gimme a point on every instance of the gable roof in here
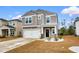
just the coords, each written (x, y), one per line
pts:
(16, 20)
(77, 19)
(39, 11)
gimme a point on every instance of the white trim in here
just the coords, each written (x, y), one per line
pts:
(31, 33)
(49, 20)
(28, 20)
(52, 31)
(39, 16)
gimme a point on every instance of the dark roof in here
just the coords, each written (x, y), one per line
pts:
(3, 19)
(9, 26)
(39, 11)
(16, 20)
(76, 19)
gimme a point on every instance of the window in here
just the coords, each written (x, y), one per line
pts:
(53, 30)
(30, 20)
(13, 24)
(48, 19)
(12, 32)
(39, 17)
(26, 20)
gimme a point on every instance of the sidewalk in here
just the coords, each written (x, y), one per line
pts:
(11, 44)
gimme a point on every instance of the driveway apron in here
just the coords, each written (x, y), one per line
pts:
(11, 44)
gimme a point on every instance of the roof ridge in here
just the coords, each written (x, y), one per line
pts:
(38, 11)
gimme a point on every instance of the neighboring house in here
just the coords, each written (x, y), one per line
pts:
(6, 29)
(17, 24)
(77, 27)
(39, 23)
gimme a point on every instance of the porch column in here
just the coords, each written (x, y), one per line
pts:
(41, 30)
(8, 32)
(0, 32)
(56, 31)
(42, 34)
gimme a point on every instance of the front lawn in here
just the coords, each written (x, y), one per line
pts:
(48, 47)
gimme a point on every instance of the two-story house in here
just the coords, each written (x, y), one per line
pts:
(77, 27)
(39, 23)
(17, 24)
(5, 28)
(10, 28)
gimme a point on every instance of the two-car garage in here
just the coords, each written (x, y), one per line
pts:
(31, 33)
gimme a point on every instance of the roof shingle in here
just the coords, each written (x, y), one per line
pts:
(16, 20)
(39, 11)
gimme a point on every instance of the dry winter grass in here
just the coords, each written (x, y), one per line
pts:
(7, 38)
(48, 47)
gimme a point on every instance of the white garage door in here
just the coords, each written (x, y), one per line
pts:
(31, 33)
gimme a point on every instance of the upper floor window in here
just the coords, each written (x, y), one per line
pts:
(29, 20)
(23, 18)
(48, 20)
(26, 20)
(39, 17)
(13, 24)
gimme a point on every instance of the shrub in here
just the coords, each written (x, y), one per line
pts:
(60, 37)
(63, 31)
(71, 30)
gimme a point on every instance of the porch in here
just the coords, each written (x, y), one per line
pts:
(6, 31)
(48, 31)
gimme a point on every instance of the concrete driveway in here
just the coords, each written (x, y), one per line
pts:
(11, 44)
(74, 49)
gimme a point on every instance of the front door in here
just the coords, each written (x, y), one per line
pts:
(47, 32)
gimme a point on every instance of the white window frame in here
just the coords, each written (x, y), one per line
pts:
(39, 16)
(54, 30)
(49, 19)
(28, 19)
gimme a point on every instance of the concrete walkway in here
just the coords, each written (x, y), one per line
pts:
(11, 44)
(74, 49)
